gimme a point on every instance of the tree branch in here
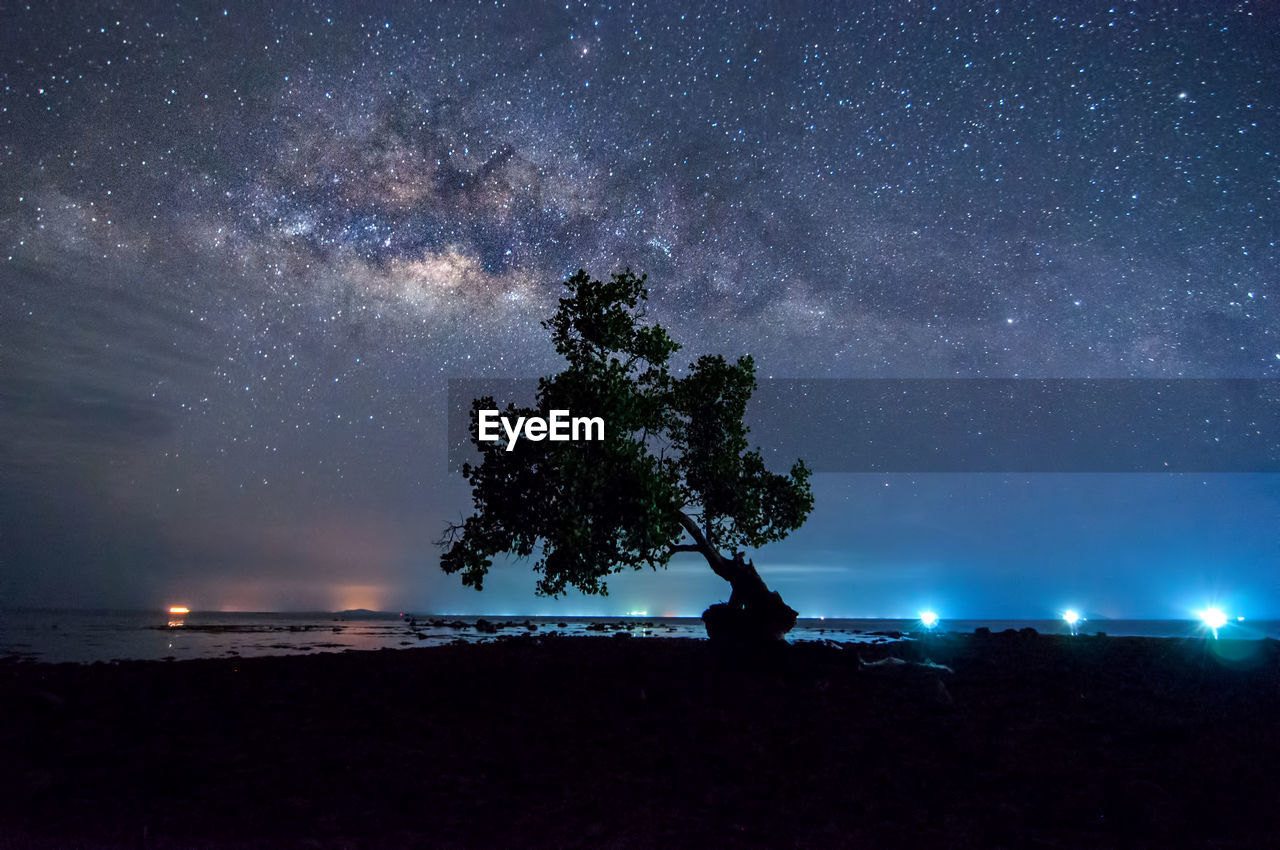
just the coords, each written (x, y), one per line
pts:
(714, 558)
(694, 532)
(453, 532)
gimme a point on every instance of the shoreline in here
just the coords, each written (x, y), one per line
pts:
(628, 742)
(109, 637)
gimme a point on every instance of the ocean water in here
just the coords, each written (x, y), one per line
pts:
(88, 636)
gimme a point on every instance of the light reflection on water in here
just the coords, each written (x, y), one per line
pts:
(83, 636)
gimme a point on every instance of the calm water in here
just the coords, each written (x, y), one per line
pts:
(86, 636)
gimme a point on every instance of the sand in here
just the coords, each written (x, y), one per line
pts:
(1028, 741)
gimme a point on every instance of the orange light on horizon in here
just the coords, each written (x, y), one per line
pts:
(179, 609)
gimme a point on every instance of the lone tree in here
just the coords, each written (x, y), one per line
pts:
(672, 474)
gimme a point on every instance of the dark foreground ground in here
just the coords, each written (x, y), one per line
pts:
(1032, 741)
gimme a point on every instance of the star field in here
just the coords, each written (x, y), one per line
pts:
(242, 249)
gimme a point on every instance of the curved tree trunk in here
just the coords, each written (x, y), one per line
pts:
(754, 613)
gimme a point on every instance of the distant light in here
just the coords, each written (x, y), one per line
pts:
(1214, 619)
(1239, 619)
(179, 609)
(1071, 617)
(929, 619)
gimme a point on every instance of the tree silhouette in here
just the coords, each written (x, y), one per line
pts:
(672, 474)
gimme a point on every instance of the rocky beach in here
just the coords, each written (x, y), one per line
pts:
(985, 740)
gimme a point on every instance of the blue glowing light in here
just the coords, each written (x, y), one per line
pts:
(1072, 618)
(1213, 618)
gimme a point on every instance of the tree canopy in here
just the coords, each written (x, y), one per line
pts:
(674, 472)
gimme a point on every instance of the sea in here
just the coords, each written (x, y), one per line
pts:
(81, 636)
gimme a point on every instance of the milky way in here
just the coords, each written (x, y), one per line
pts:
(243, 248)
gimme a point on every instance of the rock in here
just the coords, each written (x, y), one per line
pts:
(485, 627)
(742, 626)
(888, 661)
(52, 700)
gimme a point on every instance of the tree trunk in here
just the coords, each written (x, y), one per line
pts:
(754, 614)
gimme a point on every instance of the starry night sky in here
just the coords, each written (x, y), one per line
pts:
(243, 249)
